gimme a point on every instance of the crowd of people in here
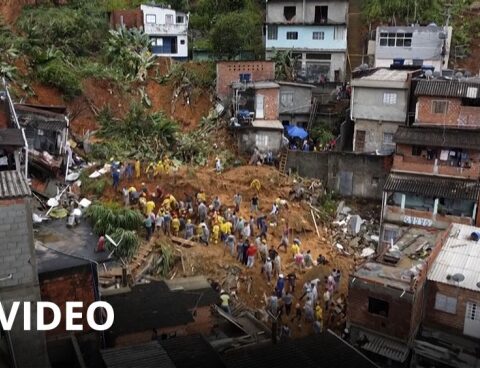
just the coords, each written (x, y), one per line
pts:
(245, 237)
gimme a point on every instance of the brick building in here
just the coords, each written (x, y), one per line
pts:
(434, 179)
(18, 273)
(450, 333)
(386, 297)
(252, 96)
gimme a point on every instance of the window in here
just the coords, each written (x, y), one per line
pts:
(151, 19)
(182, 42)
(472, 92)
(169, 19)
(395, 39)
(292, 35)
(360, 140)
(289, 12)
(387, 138)
(445, 303)
(377, 306)
(389, 234)
(180, 19)
(389, 98)
(156, 41)
(272, 32)
(417, 150)
(245, 77)
(439, 107)
(286, 99)
(261, 140)
(339, 33)
(321, 14)
(318, 35)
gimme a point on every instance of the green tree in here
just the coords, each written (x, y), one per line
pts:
(284, 65)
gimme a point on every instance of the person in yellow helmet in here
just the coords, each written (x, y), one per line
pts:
(149, 207)
(166, 165)
(294, 249)
(201, 196)
(215, 233)
(159, 168)
(137, 169)
(150, 170)
(175, 226)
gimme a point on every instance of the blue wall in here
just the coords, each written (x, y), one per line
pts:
(305, 38)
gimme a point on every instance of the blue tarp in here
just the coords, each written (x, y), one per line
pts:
(296, 132)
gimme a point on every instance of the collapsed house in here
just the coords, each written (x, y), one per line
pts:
(46, 130)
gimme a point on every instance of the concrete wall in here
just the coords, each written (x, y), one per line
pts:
(74, 284)
(448, 321)
(302, 99)
(17, 257)
(229, 72)
(332, 41)
(456, 115)
(248, 138)
(347, 173)
(374, 135)
(337, 11)
(132, 18)
(367, 103)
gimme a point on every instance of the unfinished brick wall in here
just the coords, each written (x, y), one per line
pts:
(74, 284)
(456, 115)
(229, 72)
(270, 102)
(398, 322)
(450, 322)
(130, 18)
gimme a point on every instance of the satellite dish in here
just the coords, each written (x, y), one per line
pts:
(458, 277)
(478, 284)
(428, 73)
(458, 75)
(442, 36)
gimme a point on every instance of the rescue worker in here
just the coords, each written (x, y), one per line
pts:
(159, 168)
(137, 169)
(175, 226)
(149, 171)
(215, 233)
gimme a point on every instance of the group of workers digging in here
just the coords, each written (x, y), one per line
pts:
(245, 238)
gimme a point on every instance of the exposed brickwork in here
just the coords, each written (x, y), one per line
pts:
(270, 102)
(406, 162)
(456, 115)
(448, 321)
(131, 18)
(229, 72)
(398, 322)
(71, 285)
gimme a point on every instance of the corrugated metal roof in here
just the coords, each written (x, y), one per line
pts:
(385, 347)
(11, 137)
(13, 185)
(385, 74)
(448, 88)
(459, 255)
(433, 186)
(438, 137)
(150, 355)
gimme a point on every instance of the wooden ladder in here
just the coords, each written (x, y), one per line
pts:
(313, 114)
(282, 164)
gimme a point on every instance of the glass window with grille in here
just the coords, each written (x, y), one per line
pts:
(169, 19)
(318, 35)
(389, 234)
(445, 303)
(179, 19)
(272, 32)
(151, 19)
(389, 98)
(292, 35)
(396, 39)
(387, 138)
(439, 107)
(261, 140)
(286, 99)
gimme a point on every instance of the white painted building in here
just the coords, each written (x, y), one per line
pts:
(167, 29)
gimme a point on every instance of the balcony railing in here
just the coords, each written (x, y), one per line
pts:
(423, 218)
(428, 167)
(166, 29)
